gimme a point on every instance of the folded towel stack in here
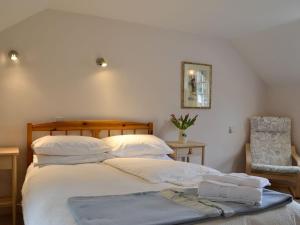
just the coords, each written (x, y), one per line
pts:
(234, 187)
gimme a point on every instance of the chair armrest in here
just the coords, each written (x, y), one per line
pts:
(248, 158)
(295, 156)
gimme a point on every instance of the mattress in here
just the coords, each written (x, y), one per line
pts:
(47, 188)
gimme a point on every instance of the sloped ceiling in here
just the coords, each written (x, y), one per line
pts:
(274, 54)
(218, 18)
(266, 32)
(221, 18)
(14, 11)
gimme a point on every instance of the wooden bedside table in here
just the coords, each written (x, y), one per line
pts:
(190, 145)
(8, 161)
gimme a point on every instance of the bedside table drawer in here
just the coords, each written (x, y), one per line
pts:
(5, 162)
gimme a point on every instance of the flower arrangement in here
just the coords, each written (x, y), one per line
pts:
(183, 123)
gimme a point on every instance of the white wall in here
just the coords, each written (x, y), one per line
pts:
(274, 54)
(284, 101)
(57, 76)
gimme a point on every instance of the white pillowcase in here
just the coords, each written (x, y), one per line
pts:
(69, 145)
(137, 145)
(69, 160)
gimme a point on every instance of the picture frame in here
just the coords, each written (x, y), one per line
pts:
(196, 85)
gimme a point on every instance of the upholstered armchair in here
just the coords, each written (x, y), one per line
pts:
(271, 155)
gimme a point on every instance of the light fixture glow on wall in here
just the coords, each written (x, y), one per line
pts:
(191, 72)
(13, 55)
(101, 62)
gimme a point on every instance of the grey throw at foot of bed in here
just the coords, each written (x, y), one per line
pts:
(169, 207)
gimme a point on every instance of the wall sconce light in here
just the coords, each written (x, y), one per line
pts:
(101, 62)
(13, 55)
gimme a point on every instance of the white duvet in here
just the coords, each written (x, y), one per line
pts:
(46, 190)
(160, 171)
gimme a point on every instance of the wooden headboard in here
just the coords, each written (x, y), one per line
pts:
(86, 128)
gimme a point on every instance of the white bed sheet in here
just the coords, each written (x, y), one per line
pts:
(47, 188)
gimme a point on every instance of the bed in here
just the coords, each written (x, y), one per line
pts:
(47, 188)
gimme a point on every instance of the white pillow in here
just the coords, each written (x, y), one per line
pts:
(136, 145)
(69, 145)
(69, 160)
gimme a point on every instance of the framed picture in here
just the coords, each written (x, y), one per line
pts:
(196, 85)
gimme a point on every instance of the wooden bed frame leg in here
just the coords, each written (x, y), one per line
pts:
(297, 188)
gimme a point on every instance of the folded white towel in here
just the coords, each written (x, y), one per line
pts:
(240, 179)
(218, 191)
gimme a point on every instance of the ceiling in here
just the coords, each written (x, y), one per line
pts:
(266, 32)
(14, 11)
(274, 54)
(222, 18)
(219, 18)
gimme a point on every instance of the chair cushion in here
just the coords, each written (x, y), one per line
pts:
(271, 141)
(276, 169)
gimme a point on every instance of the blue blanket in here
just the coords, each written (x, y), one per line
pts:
(168, 207)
